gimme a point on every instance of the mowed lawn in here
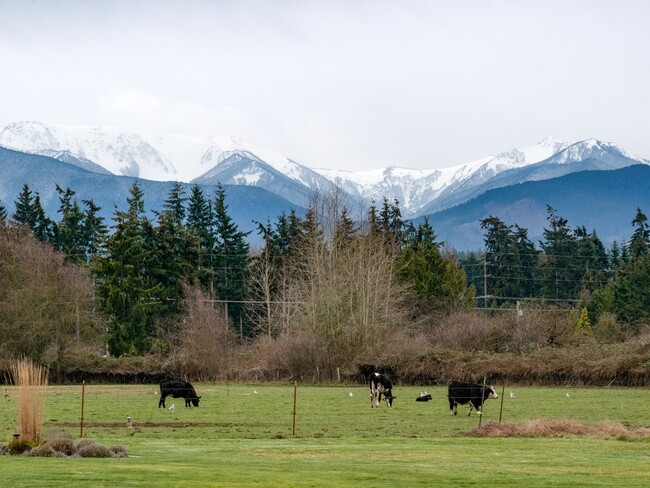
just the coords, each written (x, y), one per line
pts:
(241, 435)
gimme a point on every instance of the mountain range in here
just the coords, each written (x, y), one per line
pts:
(110, 154)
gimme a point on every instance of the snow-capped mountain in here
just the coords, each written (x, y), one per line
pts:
(118, 151)
(415, 189)
(229, 161)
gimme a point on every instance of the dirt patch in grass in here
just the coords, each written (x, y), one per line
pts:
(112, 425)
(557, 428)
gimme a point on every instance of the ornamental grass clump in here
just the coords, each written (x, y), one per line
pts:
(31, 380)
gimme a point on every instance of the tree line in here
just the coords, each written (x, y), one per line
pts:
(338, 284)
(568, 266)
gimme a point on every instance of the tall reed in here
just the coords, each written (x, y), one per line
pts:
(31, 380)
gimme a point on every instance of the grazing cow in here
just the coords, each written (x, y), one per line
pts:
(472, 393)
(178, 389)
(380, 384)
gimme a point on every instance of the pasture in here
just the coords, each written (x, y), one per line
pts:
(241, 435)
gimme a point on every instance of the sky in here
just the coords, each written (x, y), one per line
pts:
(350, 85)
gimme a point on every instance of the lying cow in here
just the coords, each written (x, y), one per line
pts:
(178, 389)
(380, 385)
(473, 393)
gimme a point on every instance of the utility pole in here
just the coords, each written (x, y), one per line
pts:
(485, 280)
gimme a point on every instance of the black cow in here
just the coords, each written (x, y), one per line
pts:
(380, 384)
(178, 389)
(472, 393)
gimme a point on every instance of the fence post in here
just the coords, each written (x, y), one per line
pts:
(81, 419)
(295, 388)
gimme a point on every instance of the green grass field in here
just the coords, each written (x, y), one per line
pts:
(241, 435)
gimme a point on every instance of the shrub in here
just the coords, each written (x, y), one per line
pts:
(118, 451)
(62, 444)
(93, 451)
(44, 450)
(19, 446)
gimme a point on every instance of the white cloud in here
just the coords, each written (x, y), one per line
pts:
(151, 114)
(362, 84)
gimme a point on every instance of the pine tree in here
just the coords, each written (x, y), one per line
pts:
(44, 229)
(231, 261)
(640, 241)
(561, 275)
(23, 214)
(127, 294)
(436, 281)
(501, 259)
(71, 236)
(632, 292)
(94, 230)
(199, 225)
(344, 230)
(527, 262)
(591, 259)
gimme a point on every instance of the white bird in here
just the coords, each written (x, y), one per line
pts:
(567, 395)
(172, 407)
(255, 391)
(512, 394)
(155, 392)
(350, 394)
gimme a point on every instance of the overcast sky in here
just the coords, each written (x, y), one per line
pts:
(337, 84)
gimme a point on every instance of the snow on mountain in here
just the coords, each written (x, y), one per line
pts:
(121, 152)
(414, 189)
(593, 148)
(229, 161)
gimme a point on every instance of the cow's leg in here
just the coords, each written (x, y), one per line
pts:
(161, 402)
(471, 406)
(451, 407)
(478, 409)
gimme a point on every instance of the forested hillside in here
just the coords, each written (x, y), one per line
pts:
(325, 296)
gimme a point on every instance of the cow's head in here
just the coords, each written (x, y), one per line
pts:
(389, 398)
(195, 401)
(492, 393)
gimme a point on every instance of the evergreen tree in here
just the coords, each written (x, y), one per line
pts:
(591, 259)
(174, 204)
(344, 230)
(614, 256)
(472, 263)
(501, 260)
(632, 292)
(43, 228)
(232, 261)
(3, 214)
(640, 241)
(374, 228)
(561, 273)
(71, 235)
(436, 282)
(527, 262)
(199, 225)
(126, 291)
(23, 214)
(94, 230)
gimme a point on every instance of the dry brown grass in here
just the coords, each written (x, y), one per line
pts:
(31, 380)
(557, 428)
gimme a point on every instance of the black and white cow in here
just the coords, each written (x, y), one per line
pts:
(178, 389)
(380, 385)
(473, 393)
